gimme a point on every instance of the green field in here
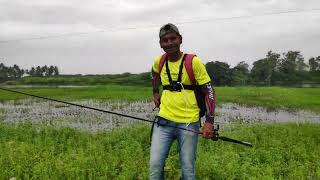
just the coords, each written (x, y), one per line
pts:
(142, 79)
(272, 97)
(104, 93)
(269, 97)
(281, 151)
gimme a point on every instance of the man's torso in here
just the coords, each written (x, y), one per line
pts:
(181, 106)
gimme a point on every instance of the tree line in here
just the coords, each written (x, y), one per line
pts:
(274, 69)
(290, 68)
(8, 73)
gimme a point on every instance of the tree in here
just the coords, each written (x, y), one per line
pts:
(288, 63)
(292, 68)
(219, 72)
(239, 73)
(314, 64)
(3, 72)
(41, 71)
(55, 71)
(38, 72)
(17, 72)
(51, 71)
(32, 71)
(10, 73)
(45, 70)
(265, 70)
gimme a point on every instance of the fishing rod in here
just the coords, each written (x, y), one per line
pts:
(217, 136)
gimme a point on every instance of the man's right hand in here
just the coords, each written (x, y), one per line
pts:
(156, 99)
(208, 130)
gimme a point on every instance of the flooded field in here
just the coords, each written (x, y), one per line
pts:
(59, 114)
(230, 112)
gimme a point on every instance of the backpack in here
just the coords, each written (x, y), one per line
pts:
(187, 61)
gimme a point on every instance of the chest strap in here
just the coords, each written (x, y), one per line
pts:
(178, 87)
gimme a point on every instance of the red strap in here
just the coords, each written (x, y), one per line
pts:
(188, 65)
(189, 69)
(162, 61)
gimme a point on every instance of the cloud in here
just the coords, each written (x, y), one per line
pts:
(117, 36)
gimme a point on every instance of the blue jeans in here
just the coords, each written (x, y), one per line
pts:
(162, 138)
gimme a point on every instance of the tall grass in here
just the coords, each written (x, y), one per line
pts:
(281, 151)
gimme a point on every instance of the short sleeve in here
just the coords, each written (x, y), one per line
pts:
(155, 66)
(199, 71)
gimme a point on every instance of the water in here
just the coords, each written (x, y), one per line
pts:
(58, 114)
(232, 112)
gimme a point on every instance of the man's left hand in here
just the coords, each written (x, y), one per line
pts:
(208, 130)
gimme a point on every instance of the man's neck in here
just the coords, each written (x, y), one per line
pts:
(175, 56)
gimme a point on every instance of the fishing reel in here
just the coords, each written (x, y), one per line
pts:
(223, 138)
(215, 133)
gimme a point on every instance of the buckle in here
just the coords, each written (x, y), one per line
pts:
(176, 86)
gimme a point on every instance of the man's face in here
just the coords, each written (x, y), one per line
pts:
(170, 42)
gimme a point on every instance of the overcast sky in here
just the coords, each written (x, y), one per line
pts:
(116, 36)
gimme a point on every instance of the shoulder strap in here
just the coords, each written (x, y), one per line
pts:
(162, 61)
(188, 65)
(180, 68)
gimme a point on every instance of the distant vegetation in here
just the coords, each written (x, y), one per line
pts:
(9, 73)
(142, 79)
(290, 69)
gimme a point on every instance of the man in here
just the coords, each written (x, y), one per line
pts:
(178, 105)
